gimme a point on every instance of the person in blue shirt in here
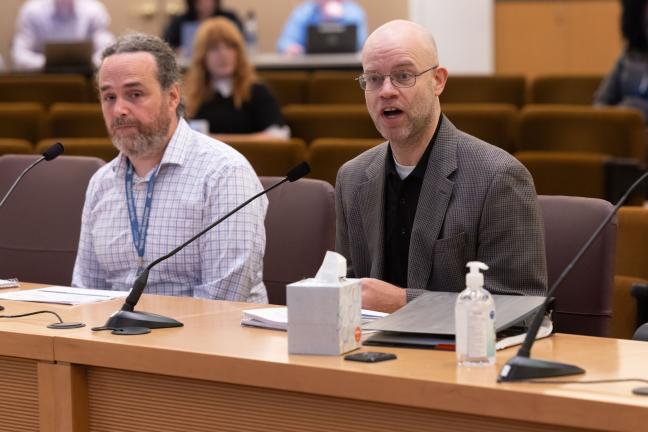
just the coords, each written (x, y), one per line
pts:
(293, 37)
(627, 84)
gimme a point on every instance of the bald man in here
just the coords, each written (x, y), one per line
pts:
(414, 210)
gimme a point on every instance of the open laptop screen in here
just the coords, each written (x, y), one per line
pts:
(68, 56)
(331, 38)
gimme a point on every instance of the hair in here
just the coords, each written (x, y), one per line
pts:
(633, 25)
(168, 72)
(197, 83)
(191, 12)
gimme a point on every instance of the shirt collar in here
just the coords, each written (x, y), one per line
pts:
(419, 170)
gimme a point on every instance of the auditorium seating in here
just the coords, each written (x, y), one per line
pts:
(15, 146)
(631, 267)
(309, 122)
(101, 148)
(494, 123)
(564, 89)
(583, 300)
(300, 228)
(336, 87)
(290, 87)
(76, 120)
(564, 173)
(22, 120)
(508, 89)
(271, 157)
(43, 217)
(42, 88)
(613, 131)
(327, 155)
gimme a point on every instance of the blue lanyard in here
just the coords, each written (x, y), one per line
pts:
(138, 230)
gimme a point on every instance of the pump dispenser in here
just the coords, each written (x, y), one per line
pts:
(475, 320)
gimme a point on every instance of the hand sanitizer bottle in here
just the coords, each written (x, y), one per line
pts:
(475, 320)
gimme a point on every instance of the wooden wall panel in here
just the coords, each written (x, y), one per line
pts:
(556, 37)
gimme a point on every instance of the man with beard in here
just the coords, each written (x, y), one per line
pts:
(167, 184)
(413, 211)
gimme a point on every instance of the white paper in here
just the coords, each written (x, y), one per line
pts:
(277, 317)
(63, 295)
(545, 330)
(9, 283)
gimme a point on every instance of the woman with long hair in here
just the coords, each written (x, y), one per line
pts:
(222, 87)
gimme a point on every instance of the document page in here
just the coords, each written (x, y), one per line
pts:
(63, 295)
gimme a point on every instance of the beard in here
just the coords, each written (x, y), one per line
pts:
(148, 141)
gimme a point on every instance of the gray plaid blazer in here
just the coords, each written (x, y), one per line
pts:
(477, 202)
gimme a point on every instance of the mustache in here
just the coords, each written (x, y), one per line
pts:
(120, 121)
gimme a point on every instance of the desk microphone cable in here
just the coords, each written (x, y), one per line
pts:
(58, 325)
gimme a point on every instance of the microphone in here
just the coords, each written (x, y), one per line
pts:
(127, 317)
(522, 367)
(51, 153)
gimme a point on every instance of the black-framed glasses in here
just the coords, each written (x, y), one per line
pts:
(372, 81)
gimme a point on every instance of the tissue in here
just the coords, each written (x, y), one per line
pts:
(324, 313)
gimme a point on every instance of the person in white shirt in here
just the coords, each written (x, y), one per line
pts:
(166, 185)
(42, 21)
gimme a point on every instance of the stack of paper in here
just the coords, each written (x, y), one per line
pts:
(277, 317)
(63, 295)
(9, 283)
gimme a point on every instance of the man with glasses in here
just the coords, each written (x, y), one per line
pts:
(413, 211)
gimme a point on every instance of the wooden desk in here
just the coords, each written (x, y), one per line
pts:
(214, 374)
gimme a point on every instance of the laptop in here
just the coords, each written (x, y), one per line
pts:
(68, 56)
(330, 38)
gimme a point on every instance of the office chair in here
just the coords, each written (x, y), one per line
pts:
(583, 301)
(300, 228)
(41, 221)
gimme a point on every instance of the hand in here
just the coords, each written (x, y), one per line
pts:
(293, 50)
(382, 296)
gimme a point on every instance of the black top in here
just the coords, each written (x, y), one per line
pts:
(173, 31)
(401, 199)
(255, 115)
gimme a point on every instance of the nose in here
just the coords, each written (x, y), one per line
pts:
(120, 108)
(387, 89)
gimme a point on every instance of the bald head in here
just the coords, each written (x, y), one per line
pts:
(407, 35)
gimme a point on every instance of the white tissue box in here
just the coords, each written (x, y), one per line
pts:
(324, 317)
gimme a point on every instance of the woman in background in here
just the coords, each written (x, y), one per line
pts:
(222, 87)
(196, 12)
(627, 83)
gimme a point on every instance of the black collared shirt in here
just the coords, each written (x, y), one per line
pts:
(401, 200)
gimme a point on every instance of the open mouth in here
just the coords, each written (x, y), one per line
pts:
(391, 113)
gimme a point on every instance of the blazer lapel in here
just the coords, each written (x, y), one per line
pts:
(434, 198)
(371, 199)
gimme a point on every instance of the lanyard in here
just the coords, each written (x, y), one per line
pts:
(138, 230)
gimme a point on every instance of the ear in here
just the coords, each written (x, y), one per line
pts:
(174, 96)
(440, 78)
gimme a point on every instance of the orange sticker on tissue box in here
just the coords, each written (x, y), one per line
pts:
(358, 334)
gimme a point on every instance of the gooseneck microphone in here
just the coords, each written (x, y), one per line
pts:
(127, 317)
(52, 152)
(522, 367)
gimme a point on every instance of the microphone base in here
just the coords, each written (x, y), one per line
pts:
(525, 368)
(124, 318)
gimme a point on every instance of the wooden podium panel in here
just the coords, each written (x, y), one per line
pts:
(236, 377)
(19, 409)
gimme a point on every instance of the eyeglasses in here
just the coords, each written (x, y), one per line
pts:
(401, 78)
